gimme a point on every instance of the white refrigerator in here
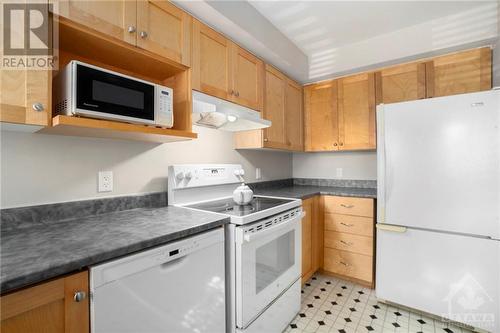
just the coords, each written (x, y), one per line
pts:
(438, 207)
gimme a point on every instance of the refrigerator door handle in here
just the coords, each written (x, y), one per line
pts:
(381, 172)
(391, 228)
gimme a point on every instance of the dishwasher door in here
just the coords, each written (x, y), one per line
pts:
(178, 287)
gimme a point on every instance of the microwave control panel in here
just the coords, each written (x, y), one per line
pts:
(164, 106)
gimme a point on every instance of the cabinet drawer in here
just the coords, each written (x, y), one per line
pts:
(349, 264)
(349, 206)
(357, 225)
(349, 242)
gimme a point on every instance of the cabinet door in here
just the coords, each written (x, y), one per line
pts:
(357, 112)
(294, 129)
(307, 240)
(459, 73)
(274, 108)
(25, 96)
(113, 18)
(211, 70)
(48, 307)
(321, 129)
(164, 29)
(400, 83)
(247, 78)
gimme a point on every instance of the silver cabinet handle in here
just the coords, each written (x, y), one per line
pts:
(143, 34)
(38, 106)
(347, 206)
(131, 29)
(345, 264)
(79, 296)
(346, 224)
(266, 139)
(346, 243)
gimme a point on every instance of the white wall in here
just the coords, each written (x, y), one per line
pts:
(355, 165)
(496, 55)
(38, 169)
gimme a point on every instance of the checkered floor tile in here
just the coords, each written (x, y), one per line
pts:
(337, 306)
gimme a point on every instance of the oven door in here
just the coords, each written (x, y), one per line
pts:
(104, 94)
(267, 263)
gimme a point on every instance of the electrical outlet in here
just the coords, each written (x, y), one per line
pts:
(258, 174)
(105, 181)
(339, 172)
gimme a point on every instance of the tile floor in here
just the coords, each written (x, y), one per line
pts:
(337, 306)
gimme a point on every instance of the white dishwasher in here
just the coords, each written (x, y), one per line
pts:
(178, 287)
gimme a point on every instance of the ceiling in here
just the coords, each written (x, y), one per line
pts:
(315, 40)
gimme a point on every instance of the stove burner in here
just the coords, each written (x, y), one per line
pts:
(228, 206)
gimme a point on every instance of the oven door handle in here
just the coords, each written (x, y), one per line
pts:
(250, 237)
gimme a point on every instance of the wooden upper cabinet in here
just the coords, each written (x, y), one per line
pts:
(25, 96)
(154, 25)
(223, 69)
(356, 103)
(211, 66)
(48, 307)
(459, 73)
(321, 130)
(283, 107)
(248, 78)
(294, 124)
(274, 108)
(164, 29)
(113, 18)
(400, 83)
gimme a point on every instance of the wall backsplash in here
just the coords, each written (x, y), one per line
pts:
(39, 169)
(355, 165)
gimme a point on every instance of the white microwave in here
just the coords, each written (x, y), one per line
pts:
(90, 91)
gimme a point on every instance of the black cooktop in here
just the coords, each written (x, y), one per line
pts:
(228, 206)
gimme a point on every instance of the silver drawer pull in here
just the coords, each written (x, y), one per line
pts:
(346, 243)
(345, 264)
(347, 206)
(346, 224)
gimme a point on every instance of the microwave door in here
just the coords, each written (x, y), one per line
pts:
(102, 94)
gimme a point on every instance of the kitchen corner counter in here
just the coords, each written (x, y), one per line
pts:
(307, 191)
(34, 252)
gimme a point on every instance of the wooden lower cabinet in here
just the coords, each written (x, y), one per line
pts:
(48, 307)
(349, 244)
(349, 265)
(312, 236)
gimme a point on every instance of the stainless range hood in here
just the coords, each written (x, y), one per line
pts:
(217, 113)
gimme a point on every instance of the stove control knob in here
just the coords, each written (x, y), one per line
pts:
(179, 176)
(188, 175)
(242, 172)
(237, 172)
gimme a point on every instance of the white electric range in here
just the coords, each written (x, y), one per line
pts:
(263, 245)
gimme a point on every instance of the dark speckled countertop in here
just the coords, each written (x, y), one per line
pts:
(33, 252)
(307, 191)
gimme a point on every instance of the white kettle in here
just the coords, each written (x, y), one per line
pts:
(243, 194)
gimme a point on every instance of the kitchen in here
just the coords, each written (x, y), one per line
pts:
(331, 135)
